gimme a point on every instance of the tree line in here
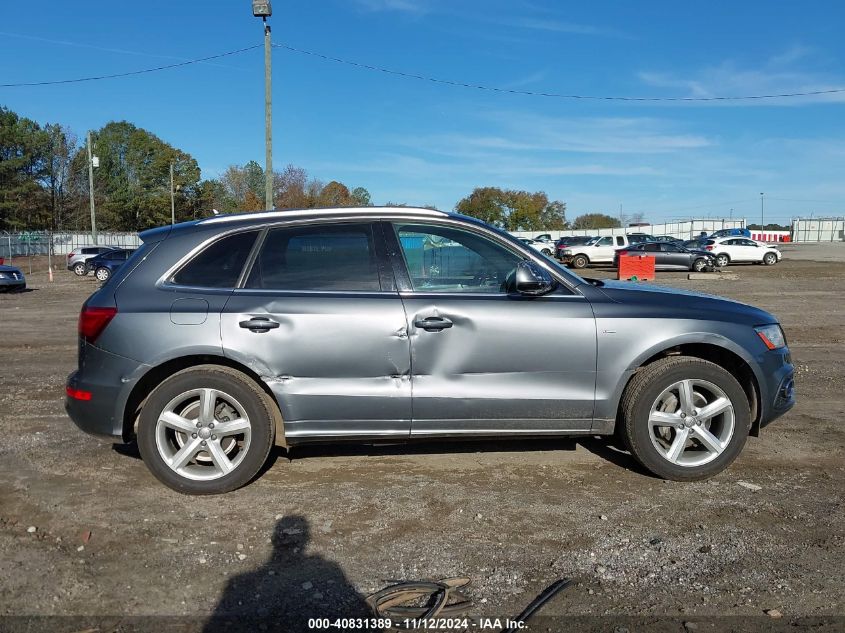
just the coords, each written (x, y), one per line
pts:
(44, 180)
(44, 185)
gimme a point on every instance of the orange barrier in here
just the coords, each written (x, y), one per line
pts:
(637, 267)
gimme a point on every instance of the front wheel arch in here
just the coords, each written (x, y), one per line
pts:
(717, 354)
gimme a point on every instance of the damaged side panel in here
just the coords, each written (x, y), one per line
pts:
(339, 364)
(505, 365)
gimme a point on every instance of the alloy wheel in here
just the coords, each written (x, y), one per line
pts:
(203, 434)
(691, 422)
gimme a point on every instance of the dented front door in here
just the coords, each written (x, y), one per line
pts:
(483, 360)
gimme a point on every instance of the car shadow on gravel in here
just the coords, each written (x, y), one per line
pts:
(291, 588)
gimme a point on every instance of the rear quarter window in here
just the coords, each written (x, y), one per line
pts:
(219, 264)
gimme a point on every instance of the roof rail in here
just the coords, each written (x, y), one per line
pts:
(295, 213)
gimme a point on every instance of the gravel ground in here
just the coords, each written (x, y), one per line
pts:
(86, 531)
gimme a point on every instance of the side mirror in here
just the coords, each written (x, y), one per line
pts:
(532, 280)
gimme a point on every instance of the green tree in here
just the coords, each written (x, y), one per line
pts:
(596, 221)
(361, 197)
(514, 210)
(24, 159)
(132, 183)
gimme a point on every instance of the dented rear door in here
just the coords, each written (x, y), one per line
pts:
(325, 328)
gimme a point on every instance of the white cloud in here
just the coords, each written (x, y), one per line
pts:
(778, 75)
(559, 26)
(402, 6)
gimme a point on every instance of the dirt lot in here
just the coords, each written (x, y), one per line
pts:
(85, 530)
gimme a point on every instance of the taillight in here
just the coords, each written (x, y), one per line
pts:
(78, 394)
(69, 255)
(709, 248)
(92, 321)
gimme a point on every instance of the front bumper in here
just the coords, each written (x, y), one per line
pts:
(12, 284)
(778, 392)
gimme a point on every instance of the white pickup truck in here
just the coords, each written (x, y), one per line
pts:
(599, 250)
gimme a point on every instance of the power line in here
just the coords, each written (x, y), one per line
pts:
(556, 95)
(448, 82)
(132, 72)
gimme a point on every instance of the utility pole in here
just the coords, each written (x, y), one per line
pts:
(262, 9)
(761, 212)
(172, 198)
(91, 189)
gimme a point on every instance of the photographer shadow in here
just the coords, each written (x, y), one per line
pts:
(288, 590)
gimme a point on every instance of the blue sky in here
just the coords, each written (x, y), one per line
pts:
(423, 143)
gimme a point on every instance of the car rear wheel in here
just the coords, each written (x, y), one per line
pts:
(580, 261)
(547, 252)
(770, 259)
(102, 273)
(79, 269)
(722, 260)
(685, 418)
(206, 430)
(699, 265)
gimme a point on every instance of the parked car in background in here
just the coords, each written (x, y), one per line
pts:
(639, 238)
(223, 336)
(544, 237)
(104, 265)
(599, 250)
(11, 278)
(543, 247)
(78, 256)
(572, 240)
(667, 238)
(670, 256)
(695, 244)
(730, 233)
(740, 249)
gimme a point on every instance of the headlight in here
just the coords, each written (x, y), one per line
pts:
(771, 335)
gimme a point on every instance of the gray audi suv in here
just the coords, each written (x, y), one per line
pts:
(224, 336)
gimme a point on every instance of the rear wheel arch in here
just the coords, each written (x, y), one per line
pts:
(155, 376)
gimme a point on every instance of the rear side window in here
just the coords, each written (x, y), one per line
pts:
(329, 258)
(218, 265)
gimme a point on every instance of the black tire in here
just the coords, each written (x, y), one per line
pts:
(770, 259)
(102, 274)
(647, 385)
(547, 252)
(79, 269)
(722, 260)
(241, 387)
(699, 264)
(580, 261)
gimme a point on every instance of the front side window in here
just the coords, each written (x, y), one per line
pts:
(218, 265)
(651, 247)
(330, 258)
(605, 241)
(445, 259)
(620, 241)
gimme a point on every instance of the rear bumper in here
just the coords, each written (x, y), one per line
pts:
(109, 379)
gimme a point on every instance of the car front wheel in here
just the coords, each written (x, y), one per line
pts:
(79, 269)
(699, 265)
(685, 418)
(206, 430)
(547, 252)
(580, 261)
(770, 259)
